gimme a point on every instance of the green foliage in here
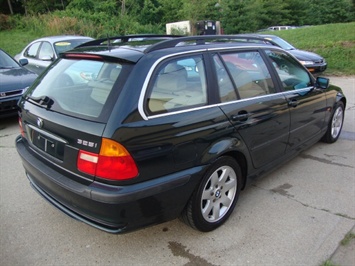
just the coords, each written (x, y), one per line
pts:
(82, 5)
(171, 11)
(52, 24)
(252, 15)
(151, 12)
(233, 13)
(348, 238)
(34, 7)
(22, 38)
(237, 16)
(5, 23)
(328, 263)
(330, 11)
(80, 22)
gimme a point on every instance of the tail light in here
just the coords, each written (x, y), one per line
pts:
(113, 162)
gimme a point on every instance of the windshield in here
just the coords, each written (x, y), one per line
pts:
(63, 46)
(79, 88)
(282, 43)
(6, 61)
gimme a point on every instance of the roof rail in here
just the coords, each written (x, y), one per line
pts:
(170, 41)
(254, 37)
(201, 39)
(124, 39)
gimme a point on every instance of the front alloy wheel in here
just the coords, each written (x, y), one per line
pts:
(214, 200)
(335, 124)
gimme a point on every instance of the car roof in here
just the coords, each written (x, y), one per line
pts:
(57, 38)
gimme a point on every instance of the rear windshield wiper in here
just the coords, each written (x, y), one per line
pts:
(42, 100)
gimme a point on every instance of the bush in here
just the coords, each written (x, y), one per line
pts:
(79, 22)
(8, 22)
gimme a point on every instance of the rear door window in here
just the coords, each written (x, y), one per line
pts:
(242, 75)
(46, 52)
(80, 88)
(178, 84)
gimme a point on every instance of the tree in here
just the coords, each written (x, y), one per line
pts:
(42, 7)
(171, 11)
(298, 12)
(241, 16)
(146, 12)
(329, 11)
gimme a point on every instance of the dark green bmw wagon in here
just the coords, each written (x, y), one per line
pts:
(130, 131)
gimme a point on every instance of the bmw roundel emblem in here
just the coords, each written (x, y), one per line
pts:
(39, 122)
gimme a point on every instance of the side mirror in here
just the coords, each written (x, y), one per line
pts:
(23, 62)
(322, 83)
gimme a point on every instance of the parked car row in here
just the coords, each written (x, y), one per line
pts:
(168, 127)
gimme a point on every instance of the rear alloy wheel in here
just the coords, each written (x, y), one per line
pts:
(214, 200)
(335, 124)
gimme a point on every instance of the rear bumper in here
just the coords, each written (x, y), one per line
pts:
(113, 209)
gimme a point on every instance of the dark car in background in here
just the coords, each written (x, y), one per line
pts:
(42, 52)
(312, 61)
(14, 80)
(168, 128)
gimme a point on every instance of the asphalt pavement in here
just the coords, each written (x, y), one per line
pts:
(296, 215)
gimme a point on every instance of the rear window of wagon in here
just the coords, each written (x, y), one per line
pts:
(80, 88)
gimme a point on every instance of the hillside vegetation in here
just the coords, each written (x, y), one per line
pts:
(335, 42)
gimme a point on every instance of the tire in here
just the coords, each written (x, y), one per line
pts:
(335, 124)
(214, 200)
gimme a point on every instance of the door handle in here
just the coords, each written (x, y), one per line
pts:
(241, 116)
(293, 103)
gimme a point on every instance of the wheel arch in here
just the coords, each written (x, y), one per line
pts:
(343, 100)
(233, 147)
(340, 97)
(242, 161)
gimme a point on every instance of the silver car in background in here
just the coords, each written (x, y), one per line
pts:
(42, 52)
